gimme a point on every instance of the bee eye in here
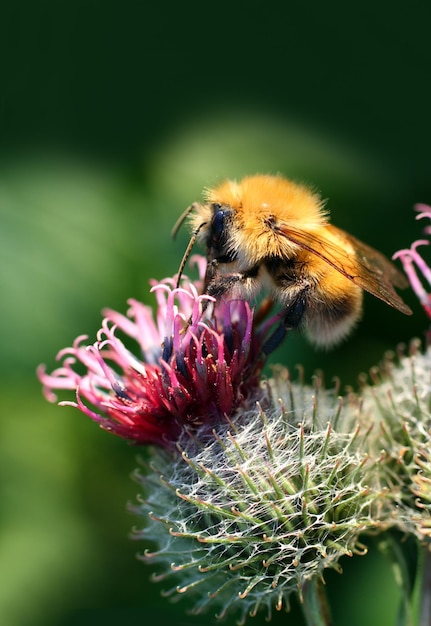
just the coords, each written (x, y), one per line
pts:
(218, 225)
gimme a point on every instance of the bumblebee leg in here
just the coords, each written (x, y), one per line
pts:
(290, 320)
(217, 284)
(222, 284)
(294, 313)
(264, 308)
(275, 339)
(210, 274)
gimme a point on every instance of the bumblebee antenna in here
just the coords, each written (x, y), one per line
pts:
(182, 217)
(187, 252)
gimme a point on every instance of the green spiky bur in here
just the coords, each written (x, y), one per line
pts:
(247, 515)
(399, 403)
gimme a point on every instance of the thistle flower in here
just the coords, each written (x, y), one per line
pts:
(399, 404)
(191, 366)
(399, 401)
(255, 513)
(410, 258)
(254, 489)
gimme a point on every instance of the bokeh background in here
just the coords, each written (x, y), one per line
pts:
(113, 117)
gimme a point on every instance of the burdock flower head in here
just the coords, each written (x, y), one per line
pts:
(255, 487)
(400, 400)
(259, 512)
(188, 368)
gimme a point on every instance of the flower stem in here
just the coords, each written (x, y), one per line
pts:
(315, 604)
(425, 598)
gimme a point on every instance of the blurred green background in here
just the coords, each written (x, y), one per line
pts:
(113, 117)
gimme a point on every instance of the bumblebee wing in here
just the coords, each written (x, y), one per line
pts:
(360, 263)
